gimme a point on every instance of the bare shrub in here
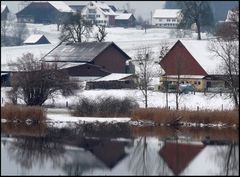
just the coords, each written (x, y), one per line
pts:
(104, 107)
(22, 113)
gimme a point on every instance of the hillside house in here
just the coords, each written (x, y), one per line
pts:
(99, 13)
(125, 20)
(89, 58)
(114, 81)
(36, 39)
(4, 12)
(194, 64)
(166, 18)
(44, 12)
(77, 8)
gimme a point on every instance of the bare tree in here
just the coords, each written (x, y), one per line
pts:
(101, 33)
(20, 32)
(35, 81)
(229, 30)
(76, 29)
(145, 72)
(228, 52)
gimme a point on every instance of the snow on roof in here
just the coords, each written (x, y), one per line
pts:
(61, 6)
(3, 6)
(123, 16)
(64, 65)
(33, 38)
(114, 77)
(11, 54)
(231, 15)
(166, 13)
(104, 8)
(199, 50)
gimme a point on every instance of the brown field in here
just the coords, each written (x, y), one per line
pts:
(167, 116)
(22, 113)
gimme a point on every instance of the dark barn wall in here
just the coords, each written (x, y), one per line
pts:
(188, 65)
(43, 40)
(112, 60)
(86, 70)
(131, 22)
(40, 13)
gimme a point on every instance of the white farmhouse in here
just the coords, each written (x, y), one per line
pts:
(100, 13)
(166, 18)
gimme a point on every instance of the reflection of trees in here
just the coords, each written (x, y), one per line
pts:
(144, 159)
(228, 159)
(30, 150)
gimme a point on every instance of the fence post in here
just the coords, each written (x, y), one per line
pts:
(197, 108)
(67, 104)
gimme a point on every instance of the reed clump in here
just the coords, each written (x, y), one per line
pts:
(166, 116)
(12, 112)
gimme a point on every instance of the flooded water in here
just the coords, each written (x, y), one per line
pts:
(117, 149)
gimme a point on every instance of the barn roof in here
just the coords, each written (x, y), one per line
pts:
(3, 7)
(104, 8)
(114, 77)
(123, 16)
(80, 52)
(61, 6)
(199, 49)
(166, 13)
(34, 38)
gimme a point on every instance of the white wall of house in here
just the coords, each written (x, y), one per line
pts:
(166, 18)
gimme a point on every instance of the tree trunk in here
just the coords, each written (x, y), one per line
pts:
(198, 30)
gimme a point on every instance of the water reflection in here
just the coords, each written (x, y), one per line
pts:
(117, 149)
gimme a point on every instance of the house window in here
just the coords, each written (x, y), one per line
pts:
(91, 10)
(195, 82)
(199, 82)
(173, 20)
(97, 16)
(160, 20)
(168, 20)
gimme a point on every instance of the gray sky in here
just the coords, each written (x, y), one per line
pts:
(142, 8)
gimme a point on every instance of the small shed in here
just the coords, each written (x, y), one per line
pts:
(125, 20)
(36, 39)
(114, 81)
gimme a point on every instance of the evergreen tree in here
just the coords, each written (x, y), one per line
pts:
(198, 12)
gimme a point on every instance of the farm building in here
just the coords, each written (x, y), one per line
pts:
(114, 81)
(194, 64)
(4, 12)
(89, 58)
(125, 20)
(166, 18)
(44, 12)
(100, 13)
(36, 39)
(179, 156)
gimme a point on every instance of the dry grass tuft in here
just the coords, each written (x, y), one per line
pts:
(162, 115)
(22, 113)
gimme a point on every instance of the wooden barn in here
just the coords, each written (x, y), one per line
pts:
(114, 81)
(125, 20)
(89, 58)
(4, 12)
(36, 39)
(193, 63)
(44, 12)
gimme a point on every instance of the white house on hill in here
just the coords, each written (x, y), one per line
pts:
(166, 18)
(99, 12)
